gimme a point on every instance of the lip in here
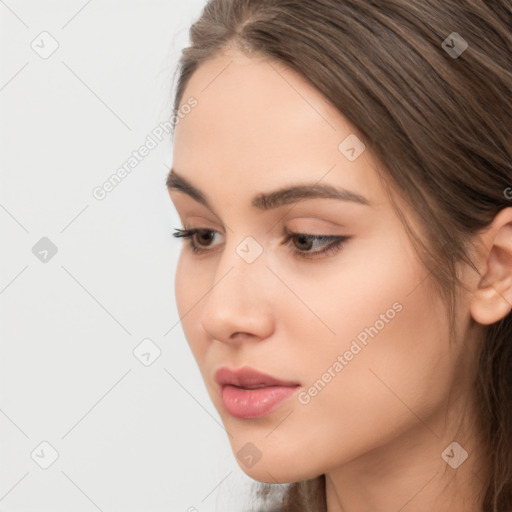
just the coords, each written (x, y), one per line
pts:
(248, 393)
(247, 377)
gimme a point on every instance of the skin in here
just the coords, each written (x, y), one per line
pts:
(379, 427)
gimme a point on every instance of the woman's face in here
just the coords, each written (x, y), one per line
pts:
(359, 328)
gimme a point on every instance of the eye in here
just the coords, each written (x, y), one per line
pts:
(331, 244)
(202, 233)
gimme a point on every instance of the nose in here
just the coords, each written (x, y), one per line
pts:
(238, 306)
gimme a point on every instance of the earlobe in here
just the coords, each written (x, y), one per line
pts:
(492, 300)
(489, 305)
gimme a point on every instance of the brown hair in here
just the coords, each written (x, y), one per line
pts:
(440, 125)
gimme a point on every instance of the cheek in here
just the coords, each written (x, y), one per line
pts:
(393, 383)
(391, 332)
(364, 294)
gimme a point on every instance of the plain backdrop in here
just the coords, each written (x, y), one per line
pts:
(119, 427)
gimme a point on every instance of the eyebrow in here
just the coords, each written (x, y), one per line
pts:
(275, 199)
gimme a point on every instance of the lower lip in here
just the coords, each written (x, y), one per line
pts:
(254, 403)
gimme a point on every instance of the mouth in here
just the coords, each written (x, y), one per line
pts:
(248, 393)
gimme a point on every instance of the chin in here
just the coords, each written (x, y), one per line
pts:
(264, 462)
(274, 472)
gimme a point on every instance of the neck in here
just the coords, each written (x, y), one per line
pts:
(410, 474)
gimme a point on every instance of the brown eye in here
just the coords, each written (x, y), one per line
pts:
(204, 235)
(304, 242)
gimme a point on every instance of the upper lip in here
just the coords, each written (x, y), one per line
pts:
(247, 377)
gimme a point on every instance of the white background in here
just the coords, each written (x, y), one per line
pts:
(129, 437)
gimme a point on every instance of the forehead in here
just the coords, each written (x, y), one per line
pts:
(258, 124)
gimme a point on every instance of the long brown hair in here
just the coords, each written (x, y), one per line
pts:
(440, 125)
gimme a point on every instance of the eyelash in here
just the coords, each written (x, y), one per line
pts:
(336, 244)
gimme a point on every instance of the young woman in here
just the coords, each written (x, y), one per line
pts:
(343, 173)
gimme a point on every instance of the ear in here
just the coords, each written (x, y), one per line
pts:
(492, 300)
